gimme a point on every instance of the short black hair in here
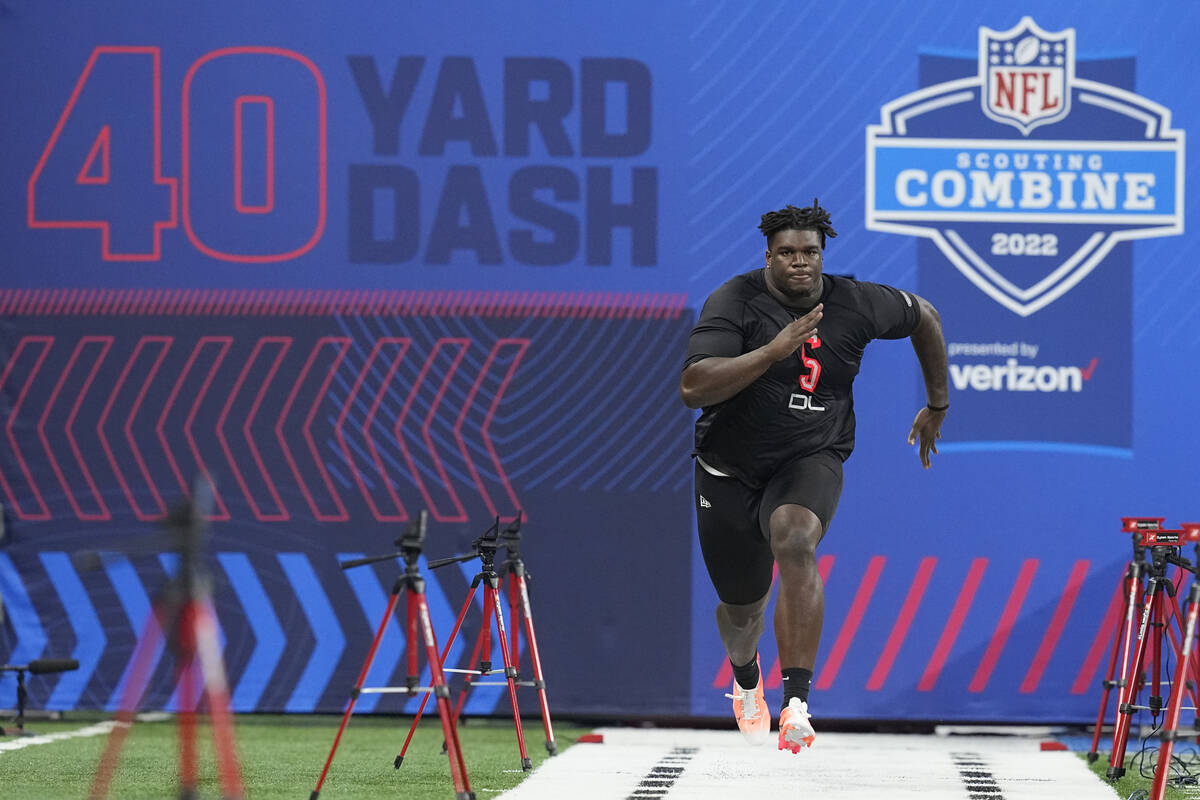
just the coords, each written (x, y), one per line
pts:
(789, 217)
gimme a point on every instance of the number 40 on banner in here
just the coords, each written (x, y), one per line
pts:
(252, 156)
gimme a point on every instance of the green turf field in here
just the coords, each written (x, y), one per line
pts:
(1133, 783)
(281, 757)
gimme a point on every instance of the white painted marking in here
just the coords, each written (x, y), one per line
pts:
(846, 766)
(99, 729)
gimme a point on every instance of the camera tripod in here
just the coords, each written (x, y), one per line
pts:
(1160, 607)
(1132, 592)
(184, 616)
(519, 608)
(416, 622)
(1188, 663)
(485, 548)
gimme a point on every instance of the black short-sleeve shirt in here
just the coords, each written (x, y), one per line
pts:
(802, 404)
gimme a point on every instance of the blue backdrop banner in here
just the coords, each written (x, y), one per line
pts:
(358, 262)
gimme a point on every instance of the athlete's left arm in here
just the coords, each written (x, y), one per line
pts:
(930, 347)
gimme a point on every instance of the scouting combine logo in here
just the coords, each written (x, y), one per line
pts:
(1029, 196)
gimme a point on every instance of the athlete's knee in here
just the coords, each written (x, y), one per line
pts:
(742, 615)
(795, 533)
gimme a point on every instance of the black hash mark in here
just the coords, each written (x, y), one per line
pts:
(662, 776)
(976, 777)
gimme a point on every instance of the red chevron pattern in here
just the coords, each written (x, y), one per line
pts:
(443, 483)
(519, 345)
(282, 344)
(133, 451)
(400, 345)
(72, 485)
(230, 405)
(322, 513)
(30, 486)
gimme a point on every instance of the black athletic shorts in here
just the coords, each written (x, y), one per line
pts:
(733, 520)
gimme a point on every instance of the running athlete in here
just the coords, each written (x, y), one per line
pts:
(771, 362)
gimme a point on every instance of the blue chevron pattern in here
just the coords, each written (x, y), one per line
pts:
(89, 635)
(269, 637)
(330, 641)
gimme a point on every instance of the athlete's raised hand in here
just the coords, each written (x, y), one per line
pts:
(715, 379)
(795, 333)
(928, 428)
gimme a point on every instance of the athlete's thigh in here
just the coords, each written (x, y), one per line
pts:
(736, 554)
(814, 481)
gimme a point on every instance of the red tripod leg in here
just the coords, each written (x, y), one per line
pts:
(1174, 705)
(514, 614)
(1192, 683)
(362, 676)
(1158, 626)
(458, 767)
(216, 687)
(1136, 604)
(410, 641)
(1132, 680)
(485, 630)
(510, 671)
(445, 654)
(481, 655)
(476, 654)
(1109, 683)
(185, 670)
(1172, 611)
(518, 583)
(142, 655)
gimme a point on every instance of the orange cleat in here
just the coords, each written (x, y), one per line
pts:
(750, 711)
(795, 730)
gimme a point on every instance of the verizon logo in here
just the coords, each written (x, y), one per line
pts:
(1012, 376)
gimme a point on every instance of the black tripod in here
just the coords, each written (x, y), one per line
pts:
(41, 666)
(416, 621)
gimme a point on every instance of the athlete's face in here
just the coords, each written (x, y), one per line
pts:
(794, 265)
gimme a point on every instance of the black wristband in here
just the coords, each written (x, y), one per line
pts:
(937, 408)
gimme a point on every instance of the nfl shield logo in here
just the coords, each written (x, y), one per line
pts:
(1027, 74)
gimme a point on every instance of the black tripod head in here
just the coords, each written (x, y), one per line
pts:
(183, 533)
(187, 526)
(510, 537)
(411, 543)
(484, 548)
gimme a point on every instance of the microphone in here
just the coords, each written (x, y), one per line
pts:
(43, 666)
(46, 665)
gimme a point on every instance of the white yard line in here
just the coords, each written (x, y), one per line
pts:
(671, 763)
(16, 743)
(98, 729)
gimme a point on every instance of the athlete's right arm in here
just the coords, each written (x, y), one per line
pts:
(715, 379)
